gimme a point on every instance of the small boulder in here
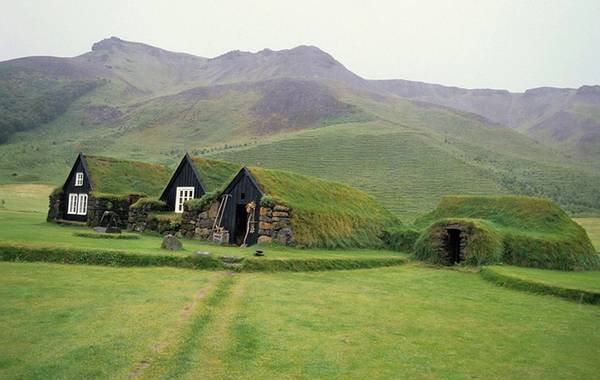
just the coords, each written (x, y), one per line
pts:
(171, 243)
(203, 253)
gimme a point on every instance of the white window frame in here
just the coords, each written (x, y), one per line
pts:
(72, 206)
(182, 194)
(82, 204)
(79, 179)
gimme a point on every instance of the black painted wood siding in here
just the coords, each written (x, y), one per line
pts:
(242, 192)
(70, 188)
(184, 176)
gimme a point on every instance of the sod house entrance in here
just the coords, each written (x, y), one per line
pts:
(452, 246)
(241, 221)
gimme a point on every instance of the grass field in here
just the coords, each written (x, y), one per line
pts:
(411, 321)
(407, 322)
(88, 322)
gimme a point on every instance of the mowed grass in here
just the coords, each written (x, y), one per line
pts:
(82, 322)
(592, 226)
(406, 322)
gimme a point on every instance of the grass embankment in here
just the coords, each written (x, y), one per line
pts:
(525, 231)
(88, 322)
(409, 322)
(325, 214)
(576, 286)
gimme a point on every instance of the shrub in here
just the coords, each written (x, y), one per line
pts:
(400, 238)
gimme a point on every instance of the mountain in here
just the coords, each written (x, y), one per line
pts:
(407, 143)
(566, 118)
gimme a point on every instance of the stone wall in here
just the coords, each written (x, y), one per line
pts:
(54, 213)
(275, 225)
(198, 224)
(97, 206)
(138, 216)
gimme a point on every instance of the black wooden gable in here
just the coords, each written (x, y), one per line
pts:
(243, 175)
(80, 166)
(185, 175)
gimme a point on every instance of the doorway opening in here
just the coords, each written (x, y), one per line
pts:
(452, 246)
(241, 224)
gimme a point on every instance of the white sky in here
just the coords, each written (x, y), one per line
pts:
(492, 44)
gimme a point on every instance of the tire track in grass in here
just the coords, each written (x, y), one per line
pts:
(168, 345)
(213, 359)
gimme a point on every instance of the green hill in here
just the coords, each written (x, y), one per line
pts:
(296, 109)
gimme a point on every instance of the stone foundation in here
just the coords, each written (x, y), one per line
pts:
(274, 224)
(138, 220)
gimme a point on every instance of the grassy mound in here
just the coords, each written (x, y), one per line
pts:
(581, 287)
(325, 214)
(95, 235)
(482, 245)
(114, 176)
(533, 232)
(214, 174)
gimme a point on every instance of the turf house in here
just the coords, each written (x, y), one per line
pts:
(264, 206)
(194, 177)
(97, 184)
(516, 230)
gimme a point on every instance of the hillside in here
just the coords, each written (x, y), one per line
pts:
(297, 109)
(566, 118)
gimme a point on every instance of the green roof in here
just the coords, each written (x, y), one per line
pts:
(532, 231)
(121, 177)
(325, 213)
(214, 174)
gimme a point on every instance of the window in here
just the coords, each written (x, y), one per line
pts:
(77, 204)
(82, 204)
(79, 179)
(182, 194)
(72, 207)
(242, 196)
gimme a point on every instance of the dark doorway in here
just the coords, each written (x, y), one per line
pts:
(453, 246)
(241, 221)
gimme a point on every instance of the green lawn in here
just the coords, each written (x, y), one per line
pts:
(83, 322)
(592, 226)
(405, 322)
(588, 280)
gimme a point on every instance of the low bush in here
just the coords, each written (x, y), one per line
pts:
(400, 238)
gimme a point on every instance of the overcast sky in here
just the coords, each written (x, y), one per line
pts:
(477, 44)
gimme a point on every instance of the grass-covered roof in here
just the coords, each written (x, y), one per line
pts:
(533, 231)
(121, 177)
(214, 174)
(325, 214)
